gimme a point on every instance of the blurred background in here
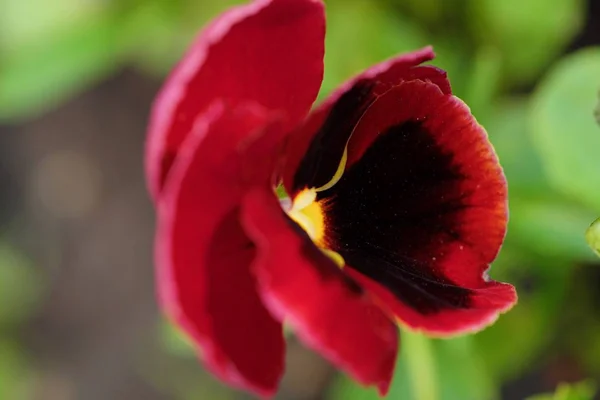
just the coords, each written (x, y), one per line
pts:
(78, 318)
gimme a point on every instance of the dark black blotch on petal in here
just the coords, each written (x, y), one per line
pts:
(324, 154)
(391, 209)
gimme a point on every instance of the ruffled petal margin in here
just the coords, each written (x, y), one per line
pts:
(486, 303)
(268, 51)
(203, 255)
(422, 171)
(339, 113)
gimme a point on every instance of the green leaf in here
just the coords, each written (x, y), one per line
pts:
(426, 370)
(541, 220)
(428, 11)
(484, 79)
(453, 57)
(592, 236)
(528, 327)
(508, 131)
(563, 128)
(597, 110)
(580, 391)
(37, 76)
(472, 380)
(344, 388)
(19, 287)
(170, 26)
(159, 23)
(24, 22)
(421, 365)
(16, 381)
(174, 340)
(529, 33)
(551, 227)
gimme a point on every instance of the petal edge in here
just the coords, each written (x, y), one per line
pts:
(329, 312)
(243, 55)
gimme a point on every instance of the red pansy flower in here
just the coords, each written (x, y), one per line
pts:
(397, 203)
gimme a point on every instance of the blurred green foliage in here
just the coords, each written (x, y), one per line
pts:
(580, 391)
(19, 290)
(506, 59)
(562, 126)
(592, 235)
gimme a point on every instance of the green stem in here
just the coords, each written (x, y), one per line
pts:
(418, 354)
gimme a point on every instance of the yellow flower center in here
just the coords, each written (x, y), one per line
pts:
(307, 212)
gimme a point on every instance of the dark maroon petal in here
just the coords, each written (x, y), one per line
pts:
(204, 256)
(328, 311)
(422, 209)
(484, 304)
(326, 148)
(267, 51)
(316, 147)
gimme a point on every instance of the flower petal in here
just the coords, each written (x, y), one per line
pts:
(316, 147)
(328, 311)
(484, 303)
(422, 210)
(268, 51)
(203, 255)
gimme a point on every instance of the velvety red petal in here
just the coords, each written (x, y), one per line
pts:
(422, 210)
(204, 256)
(452, 128)
(329, 312)
(448, 123)
(485, 305)
(268, 51)
(334, 119)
